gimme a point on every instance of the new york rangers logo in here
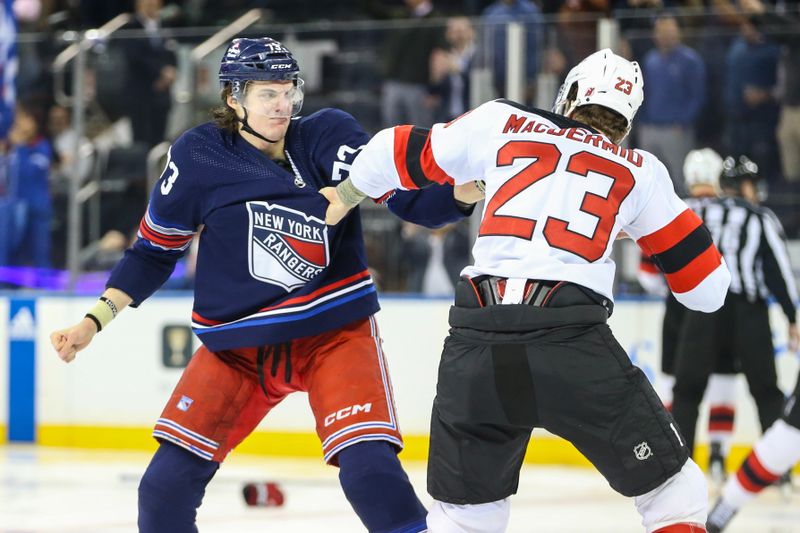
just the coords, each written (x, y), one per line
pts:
(287, 247)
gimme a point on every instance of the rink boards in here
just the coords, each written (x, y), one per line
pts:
(114, 391)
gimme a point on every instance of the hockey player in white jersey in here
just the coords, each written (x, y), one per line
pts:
(529, 345)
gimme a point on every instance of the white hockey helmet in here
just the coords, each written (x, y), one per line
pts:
(604, 79)
(702, 167)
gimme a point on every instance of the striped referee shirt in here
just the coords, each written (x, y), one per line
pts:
(751, 240)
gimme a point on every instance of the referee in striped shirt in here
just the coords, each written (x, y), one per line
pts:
(752, 241)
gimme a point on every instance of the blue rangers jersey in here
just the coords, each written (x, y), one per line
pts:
(268, 268)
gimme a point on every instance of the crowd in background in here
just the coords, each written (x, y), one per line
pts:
(718, 73)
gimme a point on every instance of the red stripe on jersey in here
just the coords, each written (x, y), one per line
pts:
(385, 197)
(401, 134)
(204, 321)
(695, 271)
(671, 234)
(649, 267)
(430, 168)
(327, 288)
(164, 236)
(298, 300)
(168, 241)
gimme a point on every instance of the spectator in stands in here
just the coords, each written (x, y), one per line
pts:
(784, 29)
(64, 139)
(450, 69)
(751, 99)
(675, 85)
(408, 53)
(578, 25)
(25, 208)
(496, 16)
(151, 74)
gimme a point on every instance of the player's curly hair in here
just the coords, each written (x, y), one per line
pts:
(600, 118)
(224, 116)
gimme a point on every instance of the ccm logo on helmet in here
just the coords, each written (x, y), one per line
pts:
(347, 411)
(280, 66)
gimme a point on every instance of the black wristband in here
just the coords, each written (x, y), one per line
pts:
(96, 322)
(110, 305)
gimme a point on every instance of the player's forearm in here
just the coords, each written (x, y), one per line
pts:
(120, 298)
(108, 306)
(373, 172)
(349, 193)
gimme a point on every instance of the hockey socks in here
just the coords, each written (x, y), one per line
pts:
(171, 490)
(378, 489)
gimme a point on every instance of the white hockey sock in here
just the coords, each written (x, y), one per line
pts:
(481, 518)
(773, 455)
(683, 498)
(721, 394)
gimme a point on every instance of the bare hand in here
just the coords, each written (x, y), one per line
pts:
(794, 338)
(468, 193)
(337, 209)
(68, 342)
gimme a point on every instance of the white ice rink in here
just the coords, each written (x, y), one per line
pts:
(64, 491)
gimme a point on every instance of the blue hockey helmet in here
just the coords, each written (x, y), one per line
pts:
(263, 59)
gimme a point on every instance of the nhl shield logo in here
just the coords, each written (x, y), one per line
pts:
(642, 451)
(286, 247)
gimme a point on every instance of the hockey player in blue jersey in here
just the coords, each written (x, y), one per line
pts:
(283, 303)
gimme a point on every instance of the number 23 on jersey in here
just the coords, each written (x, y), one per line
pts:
(556, 231)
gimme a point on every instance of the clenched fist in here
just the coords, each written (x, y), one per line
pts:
(337, 209)
(68, 342)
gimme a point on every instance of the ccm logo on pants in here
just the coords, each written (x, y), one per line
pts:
(347, 411)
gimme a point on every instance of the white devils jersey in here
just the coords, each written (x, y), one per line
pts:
(557, 195)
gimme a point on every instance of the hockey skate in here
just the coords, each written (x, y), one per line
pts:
(784, 485)
(716, 466)
(719, 517)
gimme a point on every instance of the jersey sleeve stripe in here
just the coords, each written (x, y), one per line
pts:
(671, 234)
(698, 269)
(385, 198)
(161, 227)
(164, 241)
(685, 251)
(648, 265)
(430, 168)
(414, 160)
(401, 134)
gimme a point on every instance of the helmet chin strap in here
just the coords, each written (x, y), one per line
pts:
(246, 127)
